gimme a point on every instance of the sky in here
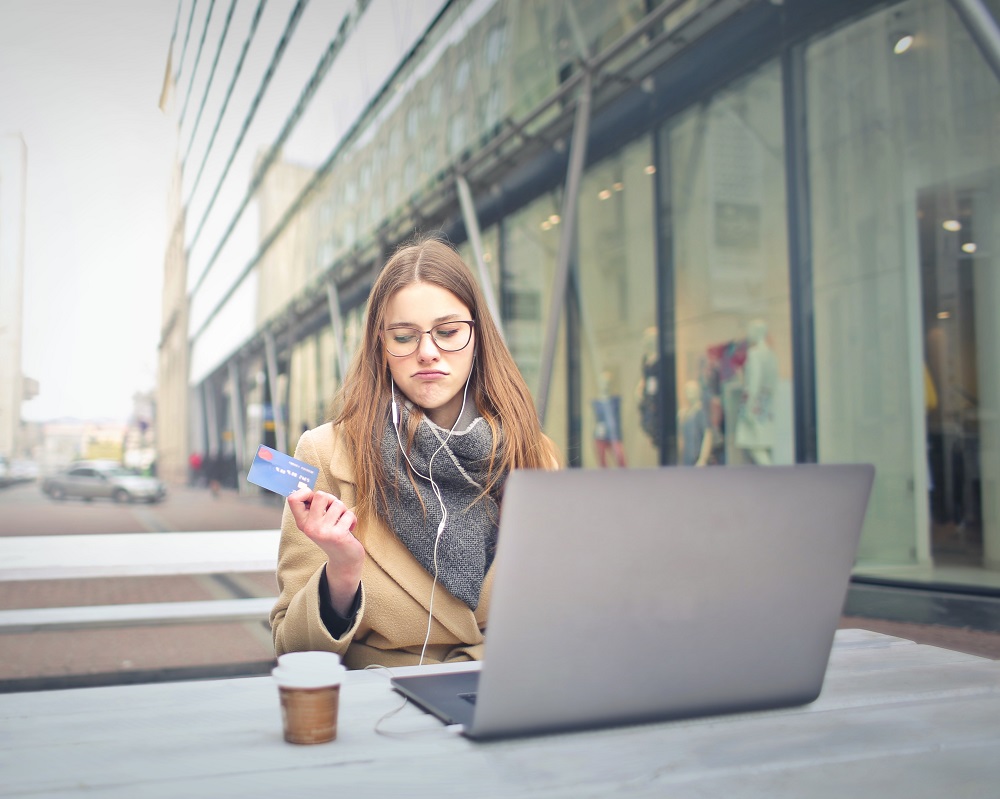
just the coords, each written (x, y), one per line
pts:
(80, 81)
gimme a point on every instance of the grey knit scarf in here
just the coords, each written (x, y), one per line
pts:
(468, 542)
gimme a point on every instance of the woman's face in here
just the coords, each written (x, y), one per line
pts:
(430, 376)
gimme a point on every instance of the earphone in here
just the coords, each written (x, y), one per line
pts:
(429, 477)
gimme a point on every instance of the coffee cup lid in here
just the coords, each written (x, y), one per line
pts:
(312, 660)
(308, 670)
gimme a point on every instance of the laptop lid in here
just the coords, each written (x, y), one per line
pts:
(624, 596)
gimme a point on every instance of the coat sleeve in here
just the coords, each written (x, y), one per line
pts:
(296, 620)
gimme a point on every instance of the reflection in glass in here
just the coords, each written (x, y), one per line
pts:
(727, 193)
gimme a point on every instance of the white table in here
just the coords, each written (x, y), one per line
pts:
(895, 719)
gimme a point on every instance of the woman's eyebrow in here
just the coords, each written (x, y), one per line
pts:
(439, 320)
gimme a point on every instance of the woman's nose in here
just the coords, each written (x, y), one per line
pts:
(427, 349)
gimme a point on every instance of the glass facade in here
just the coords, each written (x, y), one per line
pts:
(904, 158)
(838, 177)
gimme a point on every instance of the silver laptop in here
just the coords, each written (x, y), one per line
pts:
(628, 596)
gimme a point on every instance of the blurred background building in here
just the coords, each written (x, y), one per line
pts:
(716, 231)
(14, 387)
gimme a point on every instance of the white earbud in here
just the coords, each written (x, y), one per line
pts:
(395, 410)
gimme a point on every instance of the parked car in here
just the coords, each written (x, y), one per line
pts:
(107, 479)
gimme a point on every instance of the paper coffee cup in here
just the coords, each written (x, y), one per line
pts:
(309, 688)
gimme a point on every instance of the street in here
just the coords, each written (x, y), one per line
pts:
(25, 510)
(95, 657)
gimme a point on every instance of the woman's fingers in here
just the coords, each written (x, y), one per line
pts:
(299, 502)
(320, 515)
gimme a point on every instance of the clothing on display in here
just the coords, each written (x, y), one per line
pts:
(755, 423)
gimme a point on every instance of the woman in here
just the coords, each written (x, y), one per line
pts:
(388, 560)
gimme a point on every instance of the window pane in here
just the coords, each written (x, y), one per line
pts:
(617, 303)
(733, 341)
(530, 244)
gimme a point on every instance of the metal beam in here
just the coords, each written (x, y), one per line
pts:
(476, 240)
(982, 28)
(280, 436)
(577, 154)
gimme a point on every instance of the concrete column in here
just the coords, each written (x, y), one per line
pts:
(236, 411)
(280, 433)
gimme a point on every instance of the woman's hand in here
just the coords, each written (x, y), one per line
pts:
(324, 519)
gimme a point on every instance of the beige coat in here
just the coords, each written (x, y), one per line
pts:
(391, 623)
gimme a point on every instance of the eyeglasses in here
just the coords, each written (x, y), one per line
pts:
(447, 337)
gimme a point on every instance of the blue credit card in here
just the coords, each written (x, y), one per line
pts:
(279, 472)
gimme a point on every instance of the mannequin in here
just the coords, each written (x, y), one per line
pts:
(647, 391)
(607, 423)
(755, 421)
(696, 434)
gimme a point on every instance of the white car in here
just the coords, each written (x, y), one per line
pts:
(107, 479)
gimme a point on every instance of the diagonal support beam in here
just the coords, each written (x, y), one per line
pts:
(577, 156)
(472, 228)
(982, 28)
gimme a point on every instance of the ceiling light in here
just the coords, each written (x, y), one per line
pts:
(944, 315)
(903, 43)
(952, 225)
(546, 225)
(603, 194)
(554, 219)
(969, 247)
(618, 186)
(650, 170)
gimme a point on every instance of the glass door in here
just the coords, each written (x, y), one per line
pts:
(960, 299)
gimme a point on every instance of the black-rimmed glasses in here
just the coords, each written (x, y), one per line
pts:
(447, 337)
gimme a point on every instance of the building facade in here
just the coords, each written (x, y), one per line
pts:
(716, 231)
(13, 386)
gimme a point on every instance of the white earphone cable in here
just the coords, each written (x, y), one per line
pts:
(429, 477)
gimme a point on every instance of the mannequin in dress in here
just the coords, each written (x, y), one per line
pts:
(755, 421)
(696, 433)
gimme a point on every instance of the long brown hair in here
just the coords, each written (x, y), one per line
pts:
(500, 394)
